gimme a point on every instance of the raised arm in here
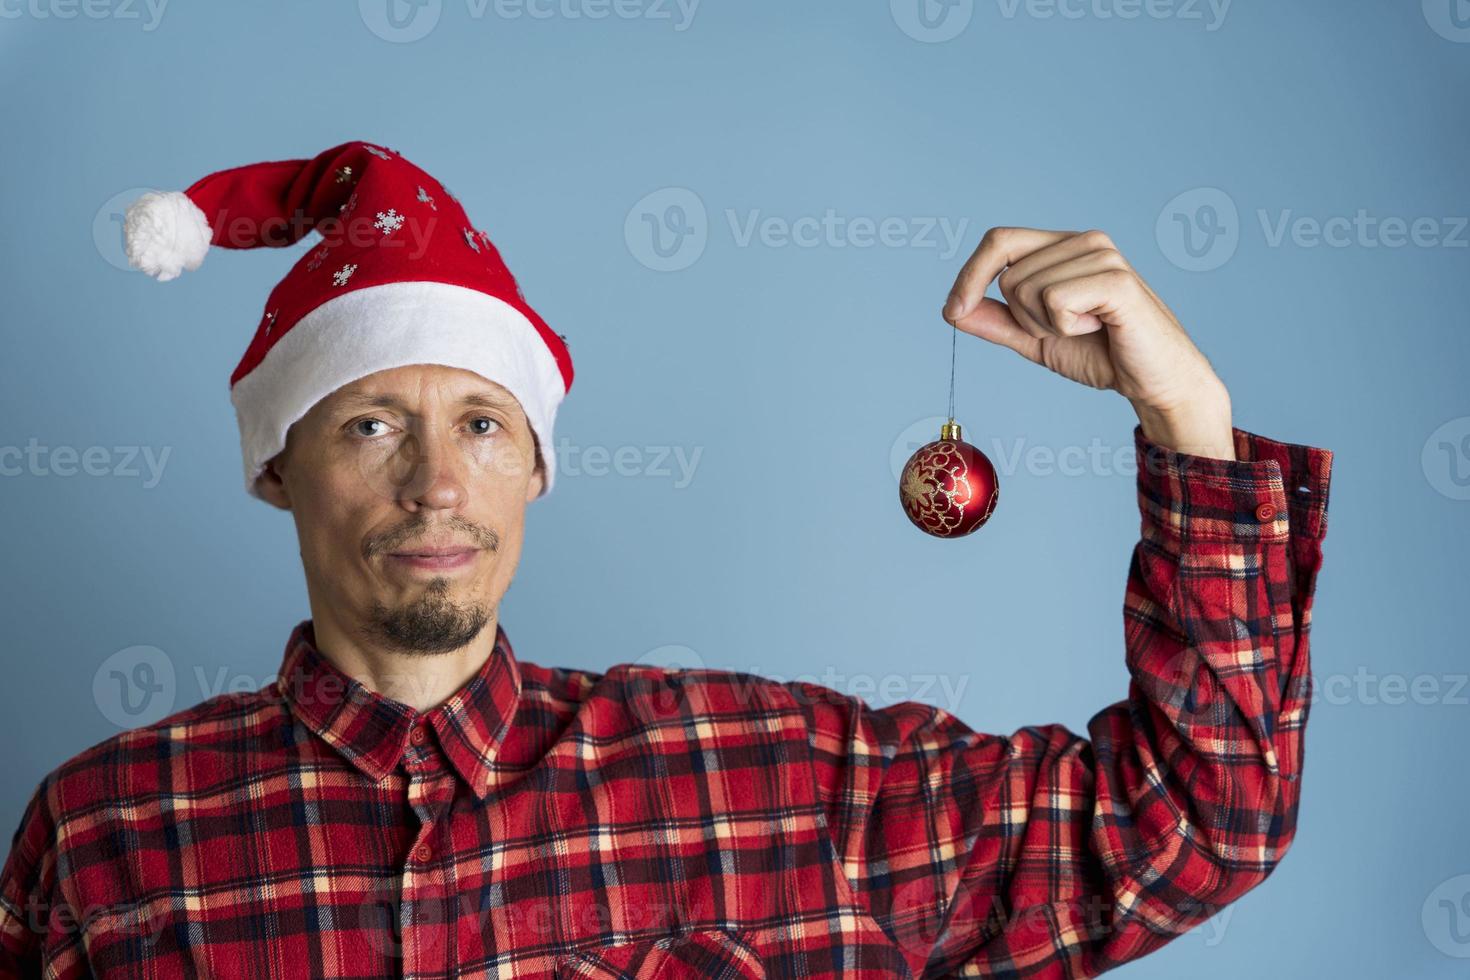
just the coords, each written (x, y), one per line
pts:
(1044, 853)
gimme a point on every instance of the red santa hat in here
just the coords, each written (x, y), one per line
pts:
(400, 276)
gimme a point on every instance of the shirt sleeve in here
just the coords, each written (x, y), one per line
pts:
(1047, 854)
(26, 886)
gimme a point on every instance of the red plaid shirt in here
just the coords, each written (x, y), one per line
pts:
(647, 822)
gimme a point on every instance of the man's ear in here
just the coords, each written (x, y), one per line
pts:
(272, 488)
(533, 485)
(538, 472)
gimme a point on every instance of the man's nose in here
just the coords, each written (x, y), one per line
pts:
(430, 472)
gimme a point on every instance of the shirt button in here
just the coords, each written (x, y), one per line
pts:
(1265, 512)
(418, 735)
(422, 853)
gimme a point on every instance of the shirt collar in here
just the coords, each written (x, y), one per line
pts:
(371, 730)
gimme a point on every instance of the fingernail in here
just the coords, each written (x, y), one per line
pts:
(953, 307)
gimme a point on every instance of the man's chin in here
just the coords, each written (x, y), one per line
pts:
(428, 624)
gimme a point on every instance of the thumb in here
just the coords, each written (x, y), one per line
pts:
(992, 320)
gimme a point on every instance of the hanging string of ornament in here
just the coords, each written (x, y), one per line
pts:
(948, 487)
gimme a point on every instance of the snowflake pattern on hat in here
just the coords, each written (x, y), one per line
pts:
(388, 222)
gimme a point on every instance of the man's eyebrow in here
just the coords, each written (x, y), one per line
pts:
(488, 401)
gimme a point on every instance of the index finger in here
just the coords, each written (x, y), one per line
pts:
(999, 248)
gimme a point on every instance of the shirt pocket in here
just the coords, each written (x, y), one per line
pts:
(707, 954)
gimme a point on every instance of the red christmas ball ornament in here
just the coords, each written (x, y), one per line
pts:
(948, 488)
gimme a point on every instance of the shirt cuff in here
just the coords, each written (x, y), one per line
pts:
(1271, 491)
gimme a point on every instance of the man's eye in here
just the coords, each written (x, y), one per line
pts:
(491, 426)
(358, 426)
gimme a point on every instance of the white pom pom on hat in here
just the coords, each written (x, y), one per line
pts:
(164, 233)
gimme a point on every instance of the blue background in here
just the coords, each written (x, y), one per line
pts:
(798, 372)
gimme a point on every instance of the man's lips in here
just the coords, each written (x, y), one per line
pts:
(459, 549)
(436, 559)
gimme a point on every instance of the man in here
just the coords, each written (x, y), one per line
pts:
(410, 798)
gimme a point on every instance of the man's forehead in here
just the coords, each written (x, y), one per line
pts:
(400, 389)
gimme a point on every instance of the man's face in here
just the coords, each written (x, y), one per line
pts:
(392, 467)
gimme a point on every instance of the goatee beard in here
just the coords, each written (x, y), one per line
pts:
(430, 624)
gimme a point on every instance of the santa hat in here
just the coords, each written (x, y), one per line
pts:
(400, 277)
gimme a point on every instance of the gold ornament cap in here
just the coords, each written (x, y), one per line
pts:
(950, 430)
